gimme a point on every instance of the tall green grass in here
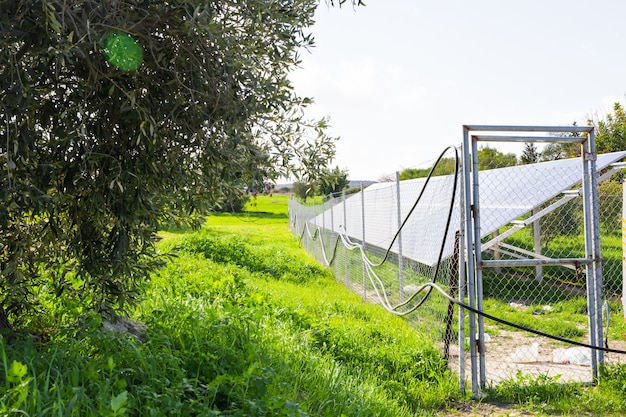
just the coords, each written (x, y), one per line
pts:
(242, 322)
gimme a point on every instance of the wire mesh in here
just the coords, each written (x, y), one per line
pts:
(360, 237)
(554, 302)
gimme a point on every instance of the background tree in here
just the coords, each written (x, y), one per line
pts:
(490, 158)
(115, 115)
(555, 151)
(530, 154)
(302, 190)
(332, 181)
(444, 167)
(611, 132)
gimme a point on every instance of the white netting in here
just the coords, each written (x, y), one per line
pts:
(353, 235)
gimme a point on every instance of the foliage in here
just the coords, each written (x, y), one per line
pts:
(234, 329)
(541, 392)
(563, 150)
(490, 158)
(231, 340)
(610, 194)
(530, 154)
(332, 181)
(611, 132)
(275, 205)
(550, 396)
(556, 151)
(352, 190)
(566, 220)
(563, 321)
(233, 202)
(445, 167)
(114, 115)
(302, 190)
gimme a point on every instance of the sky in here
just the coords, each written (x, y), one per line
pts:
(399, 78)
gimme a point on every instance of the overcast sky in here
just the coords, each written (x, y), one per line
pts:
(399, 78)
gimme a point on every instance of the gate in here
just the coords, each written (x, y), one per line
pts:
(533, 240)
(516, 250)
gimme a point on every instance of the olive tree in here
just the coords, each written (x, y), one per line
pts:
(332, 181)
(117, 115)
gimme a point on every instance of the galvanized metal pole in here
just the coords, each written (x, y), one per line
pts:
(462, 262)
(478, 272)
(537, 244)
(591, 287)
(363, 241)
(624, 248)
(400, 259)
(304, 231)
(321, 234)
(345, 230)
(332, 230)
(471, 248)
(597, 256)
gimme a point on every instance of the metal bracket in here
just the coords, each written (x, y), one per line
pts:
(590, 156)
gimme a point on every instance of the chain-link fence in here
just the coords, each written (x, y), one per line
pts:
(397, 244)
(548, 275)
(389, 240)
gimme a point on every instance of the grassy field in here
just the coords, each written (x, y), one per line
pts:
(242, 322)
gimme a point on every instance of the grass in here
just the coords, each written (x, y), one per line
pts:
(242, 322)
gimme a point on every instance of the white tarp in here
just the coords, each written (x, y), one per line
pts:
(505, 195)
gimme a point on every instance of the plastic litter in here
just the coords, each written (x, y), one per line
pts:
(574, 355)
(526, 354)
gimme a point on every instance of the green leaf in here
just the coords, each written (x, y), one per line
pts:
(118, 402)
(16, 371)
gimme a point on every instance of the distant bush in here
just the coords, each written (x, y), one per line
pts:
(302, 190)
(352, 190)
(232, 203)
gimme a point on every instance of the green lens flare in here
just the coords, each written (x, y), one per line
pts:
(123, 51)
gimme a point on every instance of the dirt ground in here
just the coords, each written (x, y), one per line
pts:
(486, 410)
(509, 352)
(503, 350)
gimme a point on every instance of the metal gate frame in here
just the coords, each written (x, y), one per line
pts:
(470, 229)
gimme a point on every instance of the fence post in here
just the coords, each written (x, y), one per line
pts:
(597, 257)
(470, 247)
(345, 230)
(322, 232)
(309, 210)
(463, 255)
(624, 248)
(480, 321)
(332, 229)
(363, 241)
(537, 245)
(400, 260)
(589, 252)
